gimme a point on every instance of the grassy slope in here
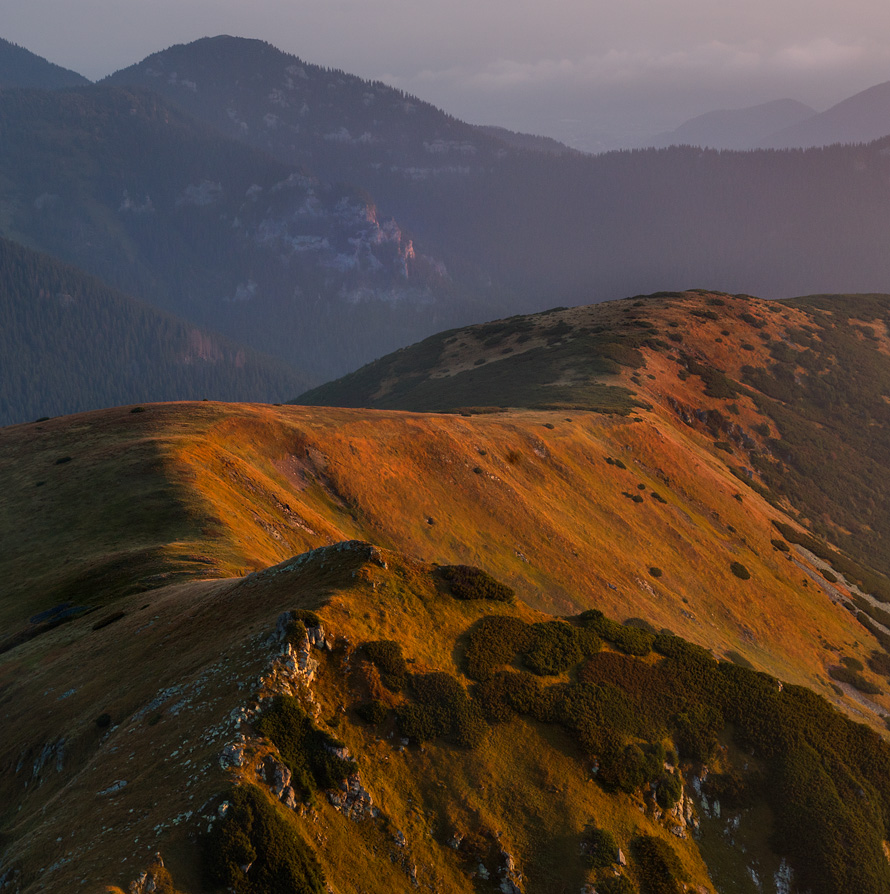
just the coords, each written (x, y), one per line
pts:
(526, 781)
(237, 488)
(815, 371)
(212, 490)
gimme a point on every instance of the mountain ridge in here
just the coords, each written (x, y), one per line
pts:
(20, 67)
(860, 118)
(341, 672)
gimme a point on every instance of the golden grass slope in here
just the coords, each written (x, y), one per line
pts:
(213, 491)
(88, 806)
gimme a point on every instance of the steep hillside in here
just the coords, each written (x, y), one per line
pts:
(638, 518)
(21, 68)
(303, 710)
(70, 343)
(127, 188)
(785, 392)
(351, 720)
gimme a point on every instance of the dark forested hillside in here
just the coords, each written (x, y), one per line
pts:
(21, 68)
(70, 343)
(161, 206)
(547, 229)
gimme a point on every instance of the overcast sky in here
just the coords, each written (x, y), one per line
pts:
(580, 70)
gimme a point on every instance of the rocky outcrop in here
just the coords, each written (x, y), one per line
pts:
(511, 877)
(354, 800)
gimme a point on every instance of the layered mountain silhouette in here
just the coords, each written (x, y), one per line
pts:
(858, 119)
(737, 128)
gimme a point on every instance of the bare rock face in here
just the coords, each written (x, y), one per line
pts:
(511, 877)
(277, 775)
(234, 755)
(353, 799)
(155, 878)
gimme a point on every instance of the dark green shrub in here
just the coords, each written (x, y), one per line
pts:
(386, 655)
(656, 572)
(493, 642)
(852, 663)
(630, 640)
(505, 695)
(599, 847)
(625, 770)
(853, 678)
(697, 730)
(658, 867)
(373, 712)
(554, 648)
(780, 545)
(468, 582)
(879, 663)
(658, 497)
(598, 715)
(308, 752)
(740, 571)
(254, 832)
(442, 710)
(616, 884)
(668, 791)
(615, 462)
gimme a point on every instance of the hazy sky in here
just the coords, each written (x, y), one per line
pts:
(581, 70)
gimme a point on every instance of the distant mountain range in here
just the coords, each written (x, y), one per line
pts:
(736, 128)
(859, 119)
(787, 124)
(326, 220)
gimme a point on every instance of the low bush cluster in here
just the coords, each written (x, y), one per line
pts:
(308, 752)
(658, 866)
(555, 646)
(373, 711)
(853, 678)
(630, 640)
(493, 642)
(879, 663)
(740, 571)
(254, 833)
(599, 847)
(468, 582)
(386, 655)
(548, 648)
(620, 708)
(441, 710)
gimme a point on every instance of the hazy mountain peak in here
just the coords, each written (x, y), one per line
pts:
(860, 118)
(736, 128)
(22, 68)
